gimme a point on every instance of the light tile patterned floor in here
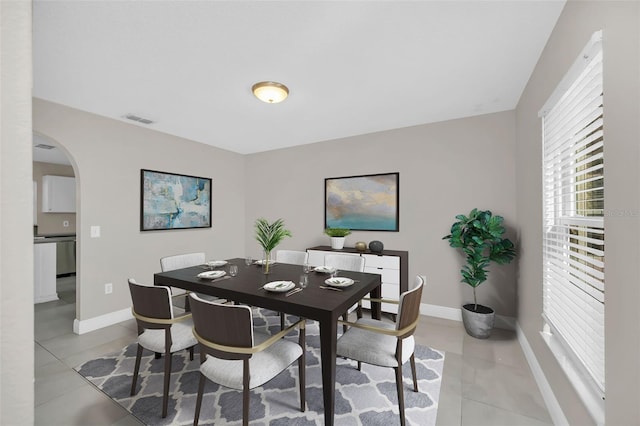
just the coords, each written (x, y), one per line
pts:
(485, 382)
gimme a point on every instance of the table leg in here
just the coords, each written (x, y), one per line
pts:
(328, 338)
(376, 307)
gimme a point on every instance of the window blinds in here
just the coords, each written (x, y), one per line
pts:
(573, 210)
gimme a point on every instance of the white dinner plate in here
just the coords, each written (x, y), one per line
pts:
(261, 262)
(279, 286)
(216, 263)
(211, 275)
(339, 282)
(324, 269)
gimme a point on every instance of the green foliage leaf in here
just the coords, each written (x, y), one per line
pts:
(480, 237)
(337, 232)
(269, 235)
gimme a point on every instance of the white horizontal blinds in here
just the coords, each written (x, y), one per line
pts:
(573, 203)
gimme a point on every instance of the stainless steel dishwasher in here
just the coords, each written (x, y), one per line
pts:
(66, 257)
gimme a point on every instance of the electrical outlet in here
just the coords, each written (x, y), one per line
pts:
(95, 232)
(65, 223)
(108, 288)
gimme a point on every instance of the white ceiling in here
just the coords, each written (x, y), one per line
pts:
(352, 67)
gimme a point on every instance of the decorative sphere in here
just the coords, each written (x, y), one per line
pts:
(361, 246)
(376, 246)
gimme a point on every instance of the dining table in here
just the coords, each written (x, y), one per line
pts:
(314, 302)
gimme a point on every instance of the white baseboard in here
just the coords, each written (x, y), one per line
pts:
(455, 314)
(85, 326)
(555, 410)
(444, 312)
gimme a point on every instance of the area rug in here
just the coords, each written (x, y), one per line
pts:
(366, 397)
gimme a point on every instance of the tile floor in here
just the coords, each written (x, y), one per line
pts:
(485, 382)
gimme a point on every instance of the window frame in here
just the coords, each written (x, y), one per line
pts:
(564, 215)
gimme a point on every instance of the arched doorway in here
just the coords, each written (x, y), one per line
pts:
(56, 226)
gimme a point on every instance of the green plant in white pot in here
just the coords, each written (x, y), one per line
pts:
(480, 237)
(337, 236)
(269, 235)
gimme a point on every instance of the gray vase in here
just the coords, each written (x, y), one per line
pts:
(376, 246)
(478, 324)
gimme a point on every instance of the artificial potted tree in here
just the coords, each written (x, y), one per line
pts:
(337, 237)
(269, 235)
(480, 236)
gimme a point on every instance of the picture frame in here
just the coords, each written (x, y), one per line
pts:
(363, 203)
(174, 201)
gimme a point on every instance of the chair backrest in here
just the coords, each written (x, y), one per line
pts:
(292, 256)
(151, 301)
(345, 262)
(228, 325)
(419, 279)
(409, 307)
(178, 261)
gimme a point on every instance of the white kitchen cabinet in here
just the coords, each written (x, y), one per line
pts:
(58, 194)
(392, 265)
(44, 274)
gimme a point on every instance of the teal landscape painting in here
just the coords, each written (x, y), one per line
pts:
(362, 202)
(172, 201)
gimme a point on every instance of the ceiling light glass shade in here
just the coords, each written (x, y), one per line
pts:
(270, 91)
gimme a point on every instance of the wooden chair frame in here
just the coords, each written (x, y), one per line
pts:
(244, 353)
(401, 334)
(144, 323)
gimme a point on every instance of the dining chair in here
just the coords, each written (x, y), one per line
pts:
(179, 261)
(416, 282)
(234, 355)
(385, 344)
(293, 257)
(159, 330)
(345, 262)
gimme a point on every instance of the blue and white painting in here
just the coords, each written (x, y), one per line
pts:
(171, 201)
(362, 202)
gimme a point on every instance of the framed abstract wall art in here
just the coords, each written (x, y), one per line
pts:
(362, 203)
(173, 201)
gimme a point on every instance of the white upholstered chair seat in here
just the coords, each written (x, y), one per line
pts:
(373, 348)
(264, 365)
(181, 337)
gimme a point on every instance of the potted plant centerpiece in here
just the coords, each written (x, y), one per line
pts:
(269, 235)
(337, 236)
(479, 235)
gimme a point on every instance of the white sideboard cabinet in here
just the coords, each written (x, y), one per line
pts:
(58, 194)
(392, 265)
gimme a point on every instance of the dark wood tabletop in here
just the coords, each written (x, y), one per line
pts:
(324, 306)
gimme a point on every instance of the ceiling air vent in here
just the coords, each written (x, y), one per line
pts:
(138, 119)
(44, 146)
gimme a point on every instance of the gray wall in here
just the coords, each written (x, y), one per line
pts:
(16, 219)
(619, 22)
(446, 169)
(107, 156)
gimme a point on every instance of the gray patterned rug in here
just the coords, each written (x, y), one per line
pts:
(366, 397)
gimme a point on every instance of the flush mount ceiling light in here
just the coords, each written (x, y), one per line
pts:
(270, 92)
